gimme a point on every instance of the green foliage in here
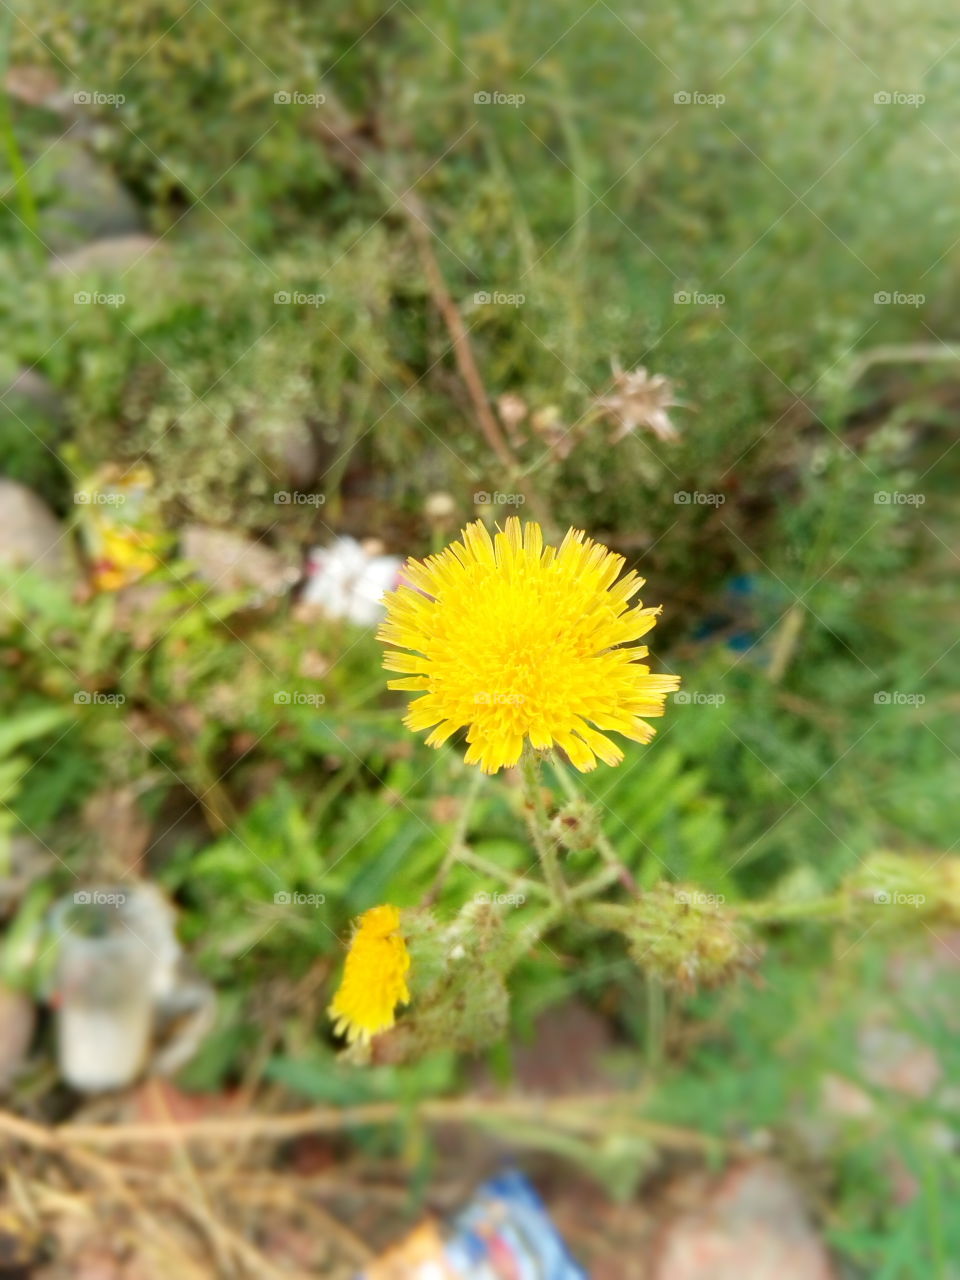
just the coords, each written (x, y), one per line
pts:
(790, 606)
(591, 180)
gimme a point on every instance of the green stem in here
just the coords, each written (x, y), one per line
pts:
(833, 907)
(603, 845)
(521, 943)
(21, 185)
(596, 884)
(514, 882)
(457, 848)
(537, 823)
(656, 1022)
(607, 915)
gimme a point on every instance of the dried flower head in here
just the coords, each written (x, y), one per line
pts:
(519, 642)
(512, 409)
(374, 977)
(554, 432)
(639, 400)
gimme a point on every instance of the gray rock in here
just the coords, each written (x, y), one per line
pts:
(110, 256)
(30, 393)
(296, 455)
(81, 199)
(231, 562)
(18, 1018)
(26, 861)
(31, 536)
(33, 420)
(750, 1225)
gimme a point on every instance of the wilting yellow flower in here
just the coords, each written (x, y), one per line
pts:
(126, 554)
(515, 641)
(119, 527)
(374, 977)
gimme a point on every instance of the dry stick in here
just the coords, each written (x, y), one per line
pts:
(351, 1244)
(47, 1139)
(895, 353)
(583, 1112)
(51, 1141)
(201, 1209)
(466, 364)
(785, 641)
(232, 1241)
(342, 139)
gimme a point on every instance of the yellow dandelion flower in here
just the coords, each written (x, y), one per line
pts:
(374, 977)
(519, 642)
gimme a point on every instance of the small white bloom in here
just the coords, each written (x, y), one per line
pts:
(347, 581)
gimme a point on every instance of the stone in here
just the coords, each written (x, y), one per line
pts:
(26, 861)
(112, 255)
(894, 1059)
(30, 393)
(751, 1225)
(294, 454)
(18, 1019)
(31, 536)
(33, 420)
(87, 201)
(231, 562)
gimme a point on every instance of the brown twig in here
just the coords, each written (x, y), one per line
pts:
(466, 363)
(583, 1113)
(346, 145)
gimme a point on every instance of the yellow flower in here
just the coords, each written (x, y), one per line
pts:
(515, 641)
(119, 526)
(126, 554)
(374, 976)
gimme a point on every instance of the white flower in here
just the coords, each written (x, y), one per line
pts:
(346, 580)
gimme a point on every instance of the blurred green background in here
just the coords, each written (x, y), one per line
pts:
(754, 199)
